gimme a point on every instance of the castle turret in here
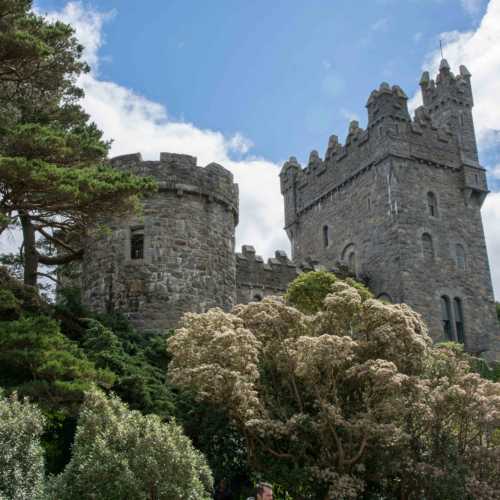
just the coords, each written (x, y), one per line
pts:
(398, 204)
(388, 105)
(176, 256)
(449, 102)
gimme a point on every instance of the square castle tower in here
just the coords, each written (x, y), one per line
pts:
(399, 204)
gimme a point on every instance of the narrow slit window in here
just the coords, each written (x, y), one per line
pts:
(325, 236)
(460, 254)
(427, 247)
(432, 204)
(459, 320)
(137, 244)
(446, 317)
(352, 262)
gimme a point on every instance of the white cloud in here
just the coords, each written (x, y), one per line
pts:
(137, 124)
(495, 171)
(88, 26)
(479, 50)
(491, 220)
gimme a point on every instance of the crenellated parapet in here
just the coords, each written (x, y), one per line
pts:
(180, 173)
(433, 136)
(256, 278)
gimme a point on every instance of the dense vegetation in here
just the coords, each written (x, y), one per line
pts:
(313, 392)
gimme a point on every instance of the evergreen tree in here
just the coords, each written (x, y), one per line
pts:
(54, 181)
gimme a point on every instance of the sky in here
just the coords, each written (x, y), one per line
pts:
(248, 84)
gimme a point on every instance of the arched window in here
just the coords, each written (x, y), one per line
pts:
(446, 317)
(385, 297)
(460, 255)
(432, 204)
(257, 297)
(459, 319)
(325, 236)
(349, 257)
(427, 247)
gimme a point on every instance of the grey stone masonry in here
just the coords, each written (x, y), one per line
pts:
(256, 279)
(399, 204)
(177, 256)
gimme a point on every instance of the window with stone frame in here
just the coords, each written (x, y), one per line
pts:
(137, 243)
(446, 317)
(460, 256)
(427, 247)
(432, 207)
(459, 320)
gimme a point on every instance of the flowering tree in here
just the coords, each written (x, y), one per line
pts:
(119, 453)
(351, 400)
(21, 455)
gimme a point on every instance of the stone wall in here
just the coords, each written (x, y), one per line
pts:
(366, 204)
(256, 279)
(188, 231)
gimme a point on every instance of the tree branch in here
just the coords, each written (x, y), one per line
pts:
(60, 259)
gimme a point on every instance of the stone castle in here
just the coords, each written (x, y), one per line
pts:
(398, 204)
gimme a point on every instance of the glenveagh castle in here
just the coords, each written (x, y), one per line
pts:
(398, 204)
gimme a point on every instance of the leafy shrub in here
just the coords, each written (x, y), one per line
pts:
(21, 455)
(308, 291)
(120, 453)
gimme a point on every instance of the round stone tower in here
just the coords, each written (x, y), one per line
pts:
(176, 256)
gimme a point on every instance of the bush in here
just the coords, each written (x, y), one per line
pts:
(120, 453)
(21, 455)
(308, 291)
(352, 402)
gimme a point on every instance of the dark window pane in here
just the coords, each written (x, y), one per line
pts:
(459, 320)
(137, 246)
(325, 236)
(432, 204)
(446, 317)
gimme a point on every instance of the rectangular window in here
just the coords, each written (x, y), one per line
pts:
(137, 244)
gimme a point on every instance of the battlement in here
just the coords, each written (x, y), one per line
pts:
(390, 132)
(446, 87)
(180, 173)
(255, 276)
(387, 102)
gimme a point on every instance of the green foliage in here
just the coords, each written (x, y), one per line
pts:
(138, 361)
(40, 362)
(216, 437)
(308, 291)
(119, 453)
(497, 305)
(21, 456)
(9, 304)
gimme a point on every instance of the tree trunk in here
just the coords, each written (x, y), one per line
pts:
(30, 253)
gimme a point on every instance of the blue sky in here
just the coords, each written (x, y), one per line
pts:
(249, 83)
(285, 74)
